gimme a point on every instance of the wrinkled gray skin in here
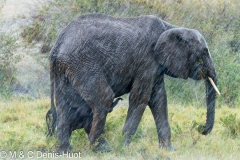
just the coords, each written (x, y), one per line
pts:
(100, 57)
(79, 115)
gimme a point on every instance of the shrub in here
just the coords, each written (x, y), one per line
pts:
(7, 68)
(231, 124)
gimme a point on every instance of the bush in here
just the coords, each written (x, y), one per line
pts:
(231, 124)
(7, 68)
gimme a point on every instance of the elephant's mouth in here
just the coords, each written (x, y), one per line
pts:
(198, 72)
(201, 73)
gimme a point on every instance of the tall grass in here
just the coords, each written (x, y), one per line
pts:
(23, 128)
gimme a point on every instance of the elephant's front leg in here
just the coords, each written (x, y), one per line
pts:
(158, 106)
(138, 99)
(134, 116)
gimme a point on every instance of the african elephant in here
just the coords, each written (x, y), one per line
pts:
(79, 115)
(98, 57)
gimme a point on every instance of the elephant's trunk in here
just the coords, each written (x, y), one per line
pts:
(210, 99)
(210, 96)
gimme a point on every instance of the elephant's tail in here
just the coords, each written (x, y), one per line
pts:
(51, 116)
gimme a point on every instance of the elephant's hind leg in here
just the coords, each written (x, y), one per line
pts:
(96, 92)
(63, 123)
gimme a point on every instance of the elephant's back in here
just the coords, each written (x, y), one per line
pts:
(98, 36)
(103, 34)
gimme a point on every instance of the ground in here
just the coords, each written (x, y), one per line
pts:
(23, 128)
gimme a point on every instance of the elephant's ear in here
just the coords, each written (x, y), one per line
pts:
(171, 51)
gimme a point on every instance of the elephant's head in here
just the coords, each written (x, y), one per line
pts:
(184, 52)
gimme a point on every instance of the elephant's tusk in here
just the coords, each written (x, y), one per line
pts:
(214, 86)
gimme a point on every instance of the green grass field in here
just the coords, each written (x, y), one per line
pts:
(23, 128)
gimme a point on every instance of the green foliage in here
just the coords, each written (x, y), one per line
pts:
(231, 125)
(7, 68)
(33, 32)
(36, 32)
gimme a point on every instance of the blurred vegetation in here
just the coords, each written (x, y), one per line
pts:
(217, 20)
(231, 124)
(7, 67)
(23, 128)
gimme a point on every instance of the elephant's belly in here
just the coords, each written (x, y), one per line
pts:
(119, 92)
(120, 75)
(121, 86)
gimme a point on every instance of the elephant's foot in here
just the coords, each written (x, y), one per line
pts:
(64, 148)
(127, 142)
(127, 139)
(102, 146)
(169, 147)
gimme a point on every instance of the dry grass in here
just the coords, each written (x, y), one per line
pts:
(23, 128)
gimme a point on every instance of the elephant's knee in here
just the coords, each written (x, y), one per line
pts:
(99, 115)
